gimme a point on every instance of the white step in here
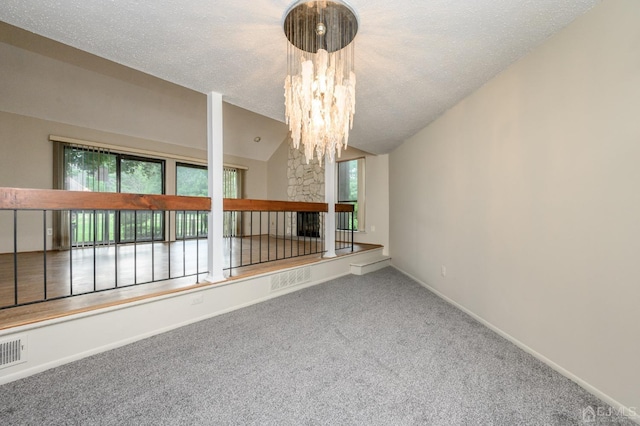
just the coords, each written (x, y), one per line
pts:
(366, 266)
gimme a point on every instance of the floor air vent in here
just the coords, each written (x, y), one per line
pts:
(13, 351)
(290, 278)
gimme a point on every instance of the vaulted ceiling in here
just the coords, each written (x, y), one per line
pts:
(414, 58)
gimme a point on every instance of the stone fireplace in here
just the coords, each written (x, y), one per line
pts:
(305, 183)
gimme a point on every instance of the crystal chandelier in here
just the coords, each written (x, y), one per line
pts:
(319, 89)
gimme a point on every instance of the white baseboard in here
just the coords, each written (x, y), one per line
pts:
(631, 413)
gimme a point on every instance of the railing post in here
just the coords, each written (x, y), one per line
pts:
(352, 214)
(215, 242)
(15, 256)
(330, 199)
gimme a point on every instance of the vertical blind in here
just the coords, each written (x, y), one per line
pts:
(231, 188)
(231, 182)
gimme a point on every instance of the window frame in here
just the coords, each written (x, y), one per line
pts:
(360, 201)
(118, 234)
(201, 217)
(193, 166)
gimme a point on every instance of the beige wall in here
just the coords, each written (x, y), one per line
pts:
(51, 89)
(277, 173)
(527, 192)
(255, 187)
(54, 82)
(255, 176)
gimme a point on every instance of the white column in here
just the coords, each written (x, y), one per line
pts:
(330, 199)
(215, 240)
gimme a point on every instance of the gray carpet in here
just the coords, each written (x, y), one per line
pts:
(377, 349)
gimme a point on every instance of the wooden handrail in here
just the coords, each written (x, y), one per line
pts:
(249, 205)
(344, 208)
(55, 199)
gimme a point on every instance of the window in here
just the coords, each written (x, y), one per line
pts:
(87, 169)
(93, 169)
(191, 180)
(231, 188)
(140, 176)
(351, 191)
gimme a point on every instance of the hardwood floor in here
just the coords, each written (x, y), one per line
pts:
(174, 267)
(95, 270)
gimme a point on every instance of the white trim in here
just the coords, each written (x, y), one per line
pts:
(127, 150)
(586, 386)
(234, 166)
(215, 240)
(330, 171)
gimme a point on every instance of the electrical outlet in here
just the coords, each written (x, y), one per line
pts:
(443, 270)
(373, 228)
(197, 299)
(49, 231)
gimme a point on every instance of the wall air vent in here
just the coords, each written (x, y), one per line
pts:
(13, 351)
(290, 278)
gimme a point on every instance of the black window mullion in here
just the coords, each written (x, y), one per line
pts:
(124, 157)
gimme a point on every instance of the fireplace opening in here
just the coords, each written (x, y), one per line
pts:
(308, 224)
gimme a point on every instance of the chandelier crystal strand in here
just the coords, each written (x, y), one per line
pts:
(320, 85)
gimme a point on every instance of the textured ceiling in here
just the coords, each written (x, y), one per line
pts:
(414, 58)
